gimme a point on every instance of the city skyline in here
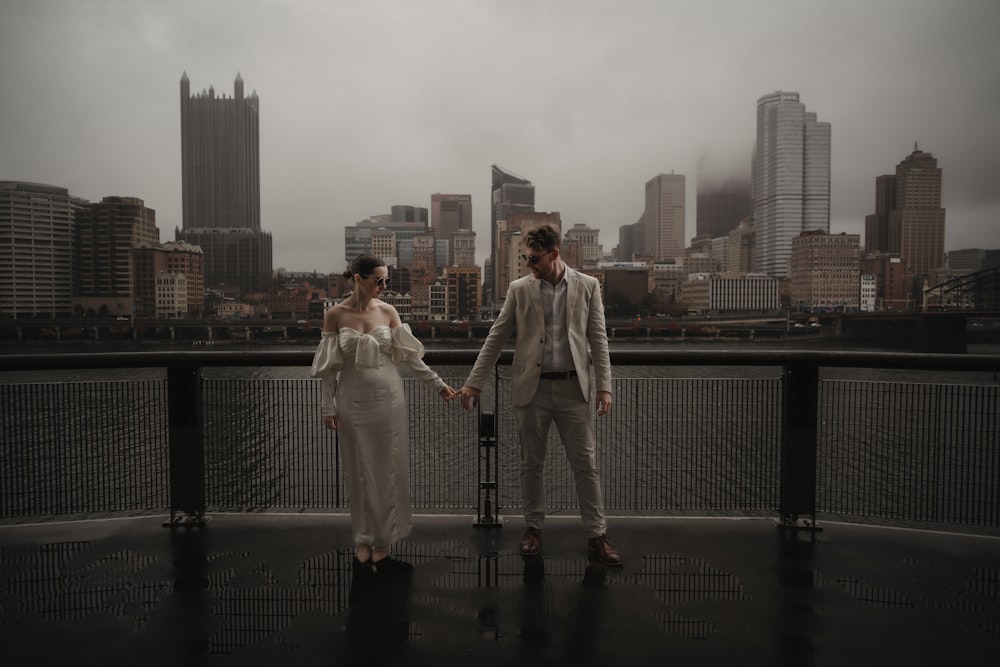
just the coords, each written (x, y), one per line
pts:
(369, 107)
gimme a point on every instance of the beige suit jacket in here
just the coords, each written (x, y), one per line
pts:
(522, 315)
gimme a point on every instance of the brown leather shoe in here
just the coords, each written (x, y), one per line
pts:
(531, 543)
(604, 551)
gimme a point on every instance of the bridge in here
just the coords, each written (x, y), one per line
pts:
(956, 312)
(975, 291)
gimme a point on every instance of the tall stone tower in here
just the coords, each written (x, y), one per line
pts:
(220, 173)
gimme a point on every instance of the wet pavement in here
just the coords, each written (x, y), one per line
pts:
(270, 589)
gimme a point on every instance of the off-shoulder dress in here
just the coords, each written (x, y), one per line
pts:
(362, 387)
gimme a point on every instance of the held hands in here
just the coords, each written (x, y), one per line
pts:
(448, 393)
(470, 397)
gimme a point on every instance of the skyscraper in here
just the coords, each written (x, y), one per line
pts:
(721, 206)
(106, 232)
(908, 221)
(37, 223)
(220, 174)
(510, 194)
(790, 179)
(106, 236)
(450, 213)
(877, 223)
(916, 220)
(663, 220)
(630, 241)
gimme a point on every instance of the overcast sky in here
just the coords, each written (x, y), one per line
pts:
(364, 105)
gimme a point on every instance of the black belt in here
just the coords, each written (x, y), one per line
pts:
(558, 375)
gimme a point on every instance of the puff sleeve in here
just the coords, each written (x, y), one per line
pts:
(407, 350)
(326, 366)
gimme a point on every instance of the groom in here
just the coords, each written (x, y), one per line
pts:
(558, 317)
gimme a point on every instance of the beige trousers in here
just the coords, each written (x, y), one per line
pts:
(560, 401)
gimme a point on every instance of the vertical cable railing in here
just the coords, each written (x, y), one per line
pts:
(708, 443)
(910, 451)
(266, 447)
(82, 447)
(668, 444)
(443, 450)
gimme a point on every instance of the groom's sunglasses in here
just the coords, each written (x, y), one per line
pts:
(534, 259)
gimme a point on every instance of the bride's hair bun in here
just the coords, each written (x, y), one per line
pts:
(364, 265)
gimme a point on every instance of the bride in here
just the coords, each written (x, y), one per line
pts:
(363, 342)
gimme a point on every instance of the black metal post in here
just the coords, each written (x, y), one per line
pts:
(798, 447)
(187, 446)
(488, 507)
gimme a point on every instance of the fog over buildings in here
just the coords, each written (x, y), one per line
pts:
(364, 106)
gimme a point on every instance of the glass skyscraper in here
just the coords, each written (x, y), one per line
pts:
(790, 179)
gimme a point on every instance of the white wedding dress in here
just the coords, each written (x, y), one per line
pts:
(363, 388)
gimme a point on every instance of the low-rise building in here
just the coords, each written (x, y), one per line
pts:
(171, 295)
(824, 271)
(731, 292)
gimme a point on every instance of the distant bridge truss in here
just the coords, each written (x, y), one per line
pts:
(978, 291)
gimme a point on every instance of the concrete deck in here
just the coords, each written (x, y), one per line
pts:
(283, 590)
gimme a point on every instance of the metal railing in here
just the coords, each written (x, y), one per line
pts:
(743, 432)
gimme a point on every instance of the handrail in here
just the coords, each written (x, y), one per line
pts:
(630, 357)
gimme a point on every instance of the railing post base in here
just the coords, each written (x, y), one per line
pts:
(488, 522)
(178, 520)
(798, 524)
